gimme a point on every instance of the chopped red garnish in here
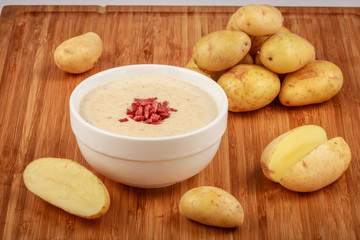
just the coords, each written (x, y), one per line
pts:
(123, 120)
(148, 111)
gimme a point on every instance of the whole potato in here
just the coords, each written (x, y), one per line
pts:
(257, 42)
(221, 50)
(231, 23)
(249, 87)
(257, 20)
(304, 160)
(286, 52)
(79, 54)
(212, 206)
(247, 59)
(213, 75)
(317, 82)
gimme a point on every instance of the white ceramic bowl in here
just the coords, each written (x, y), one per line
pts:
(149, 162)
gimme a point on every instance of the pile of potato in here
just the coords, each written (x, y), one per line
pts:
(255, 59)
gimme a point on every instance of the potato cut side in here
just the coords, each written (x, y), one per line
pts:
(67, 185)
(289, 148)
(319, 168)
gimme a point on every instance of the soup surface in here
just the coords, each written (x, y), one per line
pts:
(107, 104)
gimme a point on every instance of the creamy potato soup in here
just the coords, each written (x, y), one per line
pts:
(107, 106)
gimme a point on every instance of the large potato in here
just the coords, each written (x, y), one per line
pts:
(212, 206)
(249, 87)
(221, 50)
(317, 82)
(79, 54)
(257, 20)
(304, 160)
(67, 185)
(286, 52)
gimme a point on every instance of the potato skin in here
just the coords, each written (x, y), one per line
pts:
(286, 52)
(249, 87)
(231, 23)
(257, 20)
(321, 167)
(213, 75)
(221, 50)
(257, 42)
(247, 59)
(317, 82)
(79, 54)
(212, 206)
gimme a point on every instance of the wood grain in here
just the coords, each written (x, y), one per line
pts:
(34, 122)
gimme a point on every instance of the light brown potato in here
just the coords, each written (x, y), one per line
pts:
(249, 87)
(212, 206)
(247, 60)
(257, 60)
(231, 23)
(213, 75)
(67, 185)
(257, 42)
(257, 20)
(286, 52)
(317, 82)
(289, 148)
(79, 54)
(221, 50)
(304, 160)
(321, 167)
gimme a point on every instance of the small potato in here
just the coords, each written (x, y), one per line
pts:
(257, 20)
(79, 54)
(286, 52)
(67, 185)
(257, 60)
(221, 50)
(304, 160)
(249, 87)
(317, 82)
(212, 206)
(247, 60)
(213, 75)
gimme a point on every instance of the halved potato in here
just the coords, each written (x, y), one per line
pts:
(304, 160)
(67, 185)
(321, 167)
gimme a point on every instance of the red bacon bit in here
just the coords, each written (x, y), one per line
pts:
(123, 120)
(149, 111)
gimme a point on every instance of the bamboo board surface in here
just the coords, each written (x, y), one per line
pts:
(34, 123)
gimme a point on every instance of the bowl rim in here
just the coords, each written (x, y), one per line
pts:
(75, 113)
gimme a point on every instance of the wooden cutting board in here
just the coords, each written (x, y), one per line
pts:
(34, 123)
